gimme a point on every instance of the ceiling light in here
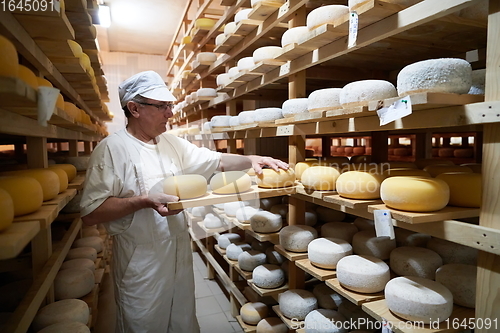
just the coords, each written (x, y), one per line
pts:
(104, 16)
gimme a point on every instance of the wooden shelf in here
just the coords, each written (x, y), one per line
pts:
(354, 297)
(447, 213)
(314, 193)
(14, 239)
(273, 237)
(211, 231)
(319, 273)
(267, 292)
(246, 327)
(244, 274)
(351, 203)
(292, 256)
(293, 325)
(98, 274)
(263, 10)
(220, 250)
(62, 199)
(45, 216)
(15, 93)
(77, 182)
(53, 27)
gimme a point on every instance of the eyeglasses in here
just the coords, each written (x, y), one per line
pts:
(160, 107)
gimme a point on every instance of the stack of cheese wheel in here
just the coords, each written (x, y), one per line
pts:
(266, 53)
(448, 75)
(230, 182)
(326, 15)
(415, 261)
(242, 15)
(465, 188)
(320, 178)
(270, 178)
(9, 63)
(461, 280)
(297, 303)
(326, 252)
(364, 274)
(359, 184)
(250, 259)
(185, 186)
(252, 313)
(6, 209)
(296, 238)
(26, 193)
(294, 106)
(268, 276)
(366, 242)
(63, 178)
(266, 222)
(295, 35)
(360, 92)
(415, 194)
(68, 310)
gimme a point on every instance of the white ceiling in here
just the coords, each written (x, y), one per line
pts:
(141, 26)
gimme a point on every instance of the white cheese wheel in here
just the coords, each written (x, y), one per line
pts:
(233, 72)
(417, 299)
(271, 325)
(325, 321)
(234, 121)
(274, 179)
(437, 169)
(327, 298)
(415, 261)
(324, 98)
(252, 313)
(225, 239)
(94, 241)
(320, 178)
(416, 194)
(244, 214)
(246, 117)
(233, 250)
(266, 53)
(453, 253)
(212, 222)
(342, 230)
(364, 224)
(66, 327)
(326, 252)
(79, 263)
(461, 280)
(200, 211)
(220, 121)
(67, 310)
(242, 15)
(206, 57)
(294, 106)
(268, 276)
(297, 303)
(185, 186)
(230, 208)
(268, 114)
(359, 185)
(250, 259)
(325, 15)
(207, 128)
(326, 214)
(478, 82)
(206, 92)
(409, 238)
(465, 188)
(80, 162)
(296, 238)
(266, 222)
(360, 92)
(273, 256)
(366, 242)
(223, 79)
(82, 252)
(229, 182)
(189, 99)
(230, 28)
(294, 35)
(219, 40)
(73, 283)
(447, 75)
(245, 63)
(362, 273)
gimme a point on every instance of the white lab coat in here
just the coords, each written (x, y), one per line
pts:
(152, 261)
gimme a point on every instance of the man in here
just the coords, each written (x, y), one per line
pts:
(152, 261)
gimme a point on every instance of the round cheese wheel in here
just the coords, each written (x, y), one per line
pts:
(326, 252)
(222, 79)
(453, 253)
(250, 259)
(244, 214)
(478, 82)
(89, 232)
(296, 238)
(273, 256)
(245, 63)
(230, 208)
(48, 179)
(233, 250)
(80, 162)
(362, 273)
(246, 117)
(341, 230)
(360, 92)
(204, 23)
(418, 299)
(271, 325)
(200, 211)
(294, 106)
(27, 75)
(310, 218)
(295, 35)
(297, 303)
(447, 75)
(252, 313)
(73, 283)
(266, 53)
(327, 298)
(63, 179)
(266, 222)
(324, 98)
(6, 210)
(212, 222)
(233, 72)
(359, 185)
(267, 203)
(219, 40)
(43, 82)
(229, 182)
(281, 209)
(68, 168)
(475, 167)
(242, 15)
(465, 188)
(409, 238)
(9, 63)
(206, 92)
(268, 276)
(230, 28)
(60, 102)
(185, 186)
(268, 114)
(79, 263)
(461, 280)
(405, 172)
(225, 239)
(364, 224)
(26, 193)
(416, 194)
(234, 121)
(320, 178)
(324, 320)
(326, 214)
(415, 261)
(366, 242)
(300, 167)
(82, 252)
(270, 178)
(66, 327)
(67, 310)
(206, 57)
(220, 121)
(325, 15)
(95, 242)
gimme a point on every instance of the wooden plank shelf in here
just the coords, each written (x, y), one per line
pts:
(292, 256)
(68, 65)
(211, 231)
(271, 237)
(77, 182)
(228, 43)
(268, 292)
(62, 199)
(263, 10)
(247, 328)
(244, 274)
(45, 216)
(266, 66)
(246, 76)
(293, 325)
(319, 273)
(292, 51)
(98, 274)
(380, 311)
(447, 213)
(15, 93)
(220, 250)
(52, 27)
(351, 203)
(200, 67)
(313, 193)
(255, 192)
(322, 35)
(245, 26)
(354, 297)
(305, 117)
(15, 238)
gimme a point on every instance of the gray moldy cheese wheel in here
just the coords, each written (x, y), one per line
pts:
(453, 253)
(82, 252)
(67, 310)
(325, 321)
(310, 217)
(244, 214)
(281, 209)
(233, 250)
(253, 312)
(415, 261)
(90, 232)
(409, 238)
(296, 238)
(267, 203)
(297, 303)
(327, 298)
(66, 327)
(367, 243)
(73, 283)
(418, 299)
(273, 256)
(342, 230)
(364, 274)
(268, 276)
(250, 259)
(364, 224)
(271, 325)
(225, 239)
(266, 222)
(326, 252)
(79, 263)
(460, 279)
(94, 241)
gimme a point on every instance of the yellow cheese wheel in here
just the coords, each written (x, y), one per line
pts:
(27, 75)
(405, 172)
(6, 209)
(230, 182)
(185, 186)
(204, 23)
(300, 167)
(465, 188)
(475, 167)
(48, 179)
(415, 194)
(435, 170)
(63, 178)
(85, 61)
(425, 162)
(68, 168)
(186, 39)
(8, 58)
(43, 82)
(26, 193)
(320, 178)
(273, 179)
(75, 48)
(359, 185)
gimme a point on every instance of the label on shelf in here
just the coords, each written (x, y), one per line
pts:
(386, 328)
(47, 98)
(284, 9)
(353, 28)
(397, 110)
(383, 223)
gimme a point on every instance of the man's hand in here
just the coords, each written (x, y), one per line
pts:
(260, 161)
(158, 202)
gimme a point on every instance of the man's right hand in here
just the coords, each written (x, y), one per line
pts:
(159, 203)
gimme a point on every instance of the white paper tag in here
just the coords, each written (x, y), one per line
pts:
(383, 223)
(353, 28)
(386, 328)
(397, 110)
(47, 98)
